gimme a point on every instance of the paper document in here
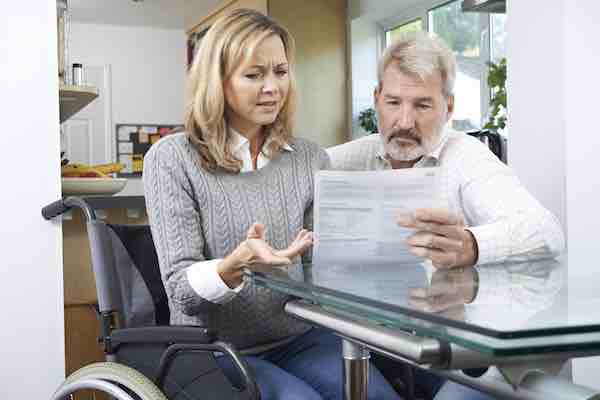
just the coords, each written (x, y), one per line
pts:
(355, 213)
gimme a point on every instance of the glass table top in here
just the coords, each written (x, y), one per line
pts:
(501, 309)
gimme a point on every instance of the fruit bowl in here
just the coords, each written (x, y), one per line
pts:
(92, 186)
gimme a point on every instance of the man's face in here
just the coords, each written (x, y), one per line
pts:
(411, 113)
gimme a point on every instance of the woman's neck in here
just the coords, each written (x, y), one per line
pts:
(256, 140)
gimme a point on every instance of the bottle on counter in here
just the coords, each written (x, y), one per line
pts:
(77, 74)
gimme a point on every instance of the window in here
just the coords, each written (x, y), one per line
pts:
(498, 37)
(475, 39)
(394, 33)
(462, 31)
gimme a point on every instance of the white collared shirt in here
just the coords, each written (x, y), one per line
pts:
(203, 275)
(240, 147)
(508, 223)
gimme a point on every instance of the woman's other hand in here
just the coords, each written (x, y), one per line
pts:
(303, 241)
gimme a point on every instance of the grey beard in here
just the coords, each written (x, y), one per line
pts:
(403, 153)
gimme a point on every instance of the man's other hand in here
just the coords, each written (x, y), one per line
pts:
(441, 237)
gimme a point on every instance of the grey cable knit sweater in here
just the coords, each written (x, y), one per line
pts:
(198, 215)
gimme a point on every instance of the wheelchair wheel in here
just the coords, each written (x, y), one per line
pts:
(117, 378)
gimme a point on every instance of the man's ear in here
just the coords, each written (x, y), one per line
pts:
(376, 92)
(450, 105)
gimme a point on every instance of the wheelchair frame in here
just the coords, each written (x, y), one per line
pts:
(118, 380)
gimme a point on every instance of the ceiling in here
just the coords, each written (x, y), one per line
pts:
(169, 14)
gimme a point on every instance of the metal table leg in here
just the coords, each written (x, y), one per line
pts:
(356, 370)
(523, 377)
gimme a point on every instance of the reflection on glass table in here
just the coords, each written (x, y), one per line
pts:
(504, 309)
(519, 318)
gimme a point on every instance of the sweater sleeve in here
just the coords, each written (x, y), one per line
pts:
(175, 223)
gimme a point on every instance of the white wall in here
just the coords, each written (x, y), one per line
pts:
(377, 9)
(536, 102)
(31, 296)
(582, 143)
(364, 55)
(148, 67)
(553, 86)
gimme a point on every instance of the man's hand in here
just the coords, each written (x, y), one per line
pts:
(440, 237)
(448, 288)
(449, 291)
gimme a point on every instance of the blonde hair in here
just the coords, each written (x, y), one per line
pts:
(229, 42)
(420, 54)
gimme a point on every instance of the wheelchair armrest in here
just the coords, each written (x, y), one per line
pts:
(182, 339)
(163, 334)
(249, 386)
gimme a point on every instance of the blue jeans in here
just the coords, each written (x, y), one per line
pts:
(452, 390)
(427, 384)
(308, 368)
(311, 368)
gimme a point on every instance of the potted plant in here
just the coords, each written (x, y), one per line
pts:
(497, 82)
(367, 119)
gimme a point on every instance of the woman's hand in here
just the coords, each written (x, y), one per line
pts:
(303, 242)
(265, 254)
(256, 250)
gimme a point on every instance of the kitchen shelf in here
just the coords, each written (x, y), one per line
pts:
(74, 98)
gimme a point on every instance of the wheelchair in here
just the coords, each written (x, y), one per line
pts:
(146, 359)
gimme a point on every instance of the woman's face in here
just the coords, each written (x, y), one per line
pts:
(257, 88)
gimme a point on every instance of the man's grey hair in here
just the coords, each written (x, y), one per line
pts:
(420, 54)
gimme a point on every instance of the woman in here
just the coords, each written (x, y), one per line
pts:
(236, 189)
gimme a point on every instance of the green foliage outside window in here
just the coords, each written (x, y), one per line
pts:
(460, 30)
(497, 83)
(393, 34)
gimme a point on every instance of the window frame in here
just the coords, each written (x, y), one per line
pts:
(421, 10)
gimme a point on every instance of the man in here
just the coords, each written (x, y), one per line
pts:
(486, 215)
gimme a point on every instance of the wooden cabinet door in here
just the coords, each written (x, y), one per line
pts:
(206, 21)
(81, 344)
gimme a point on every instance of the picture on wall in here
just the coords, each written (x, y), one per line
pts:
(134, 140)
